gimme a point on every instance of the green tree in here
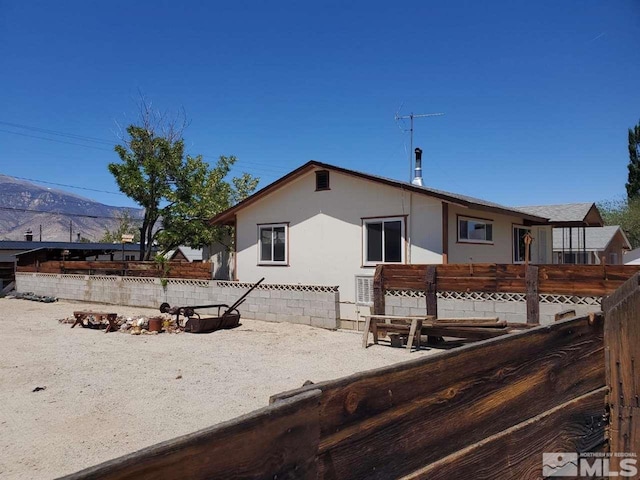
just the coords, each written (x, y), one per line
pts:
(179, 194)
(126, 225)
(633, 183)
(625, 213)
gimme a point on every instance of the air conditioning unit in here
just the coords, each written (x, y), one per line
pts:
(364, 290)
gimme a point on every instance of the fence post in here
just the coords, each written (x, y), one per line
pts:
(431, 291)
(378, 291)
(533, 300)
(622, 349)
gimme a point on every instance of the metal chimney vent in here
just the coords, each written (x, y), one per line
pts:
(417, 179)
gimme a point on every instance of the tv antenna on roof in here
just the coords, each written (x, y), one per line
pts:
(411, 116)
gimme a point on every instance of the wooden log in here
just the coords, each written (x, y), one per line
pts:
(533, 299)
(471, 321)
(568, 313)
(473, 392)
(622, 348)
(516, 453)
(279, 441)
(463, 332)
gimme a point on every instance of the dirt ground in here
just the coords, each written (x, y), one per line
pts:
(107, 395)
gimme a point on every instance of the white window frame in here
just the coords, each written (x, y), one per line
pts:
(365, 222)
(513, 238)
(476, 220)
(273, 226)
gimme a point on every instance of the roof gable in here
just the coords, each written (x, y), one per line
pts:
(228, 215)
(594, 239)
(578, 214)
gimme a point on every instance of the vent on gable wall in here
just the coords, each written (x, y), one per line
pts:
(364, 290)
(322, 180)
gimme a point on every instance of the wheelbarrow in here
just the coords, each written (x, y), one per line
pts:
(228, 316)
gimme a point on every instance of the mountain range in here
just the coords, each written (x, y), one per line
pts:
(52, 214)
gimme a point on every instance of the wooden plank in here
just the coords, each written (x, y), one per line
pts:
(463, 332)
(279, 441)
(533, 299)
(622, 348)
(471, 321)
(516, 453)
(365, 333)
(412, 336)
(472, 392)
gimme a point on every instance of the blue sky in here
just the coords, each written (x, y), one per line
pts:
(538, 96)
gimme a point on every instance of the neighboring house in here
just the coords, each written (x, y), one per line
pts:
(573, 223)
(632, 257)
(592, 245)
(185, 254)
(326, 225)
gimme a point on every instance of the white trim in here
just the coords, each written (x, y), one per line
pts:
(472, 240)
(273, 226)
(382, 220)
(513, 237)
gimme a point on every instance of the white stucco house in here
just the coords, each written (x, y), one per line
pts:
(326, 225)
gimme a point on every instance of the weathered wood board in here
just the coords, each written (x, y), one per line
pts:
(516, 453)
(622, 348)
(418, 412)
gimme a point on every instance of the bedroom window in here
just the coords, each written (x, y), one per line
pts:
(475, 230)
(272, 244)
(383, 240)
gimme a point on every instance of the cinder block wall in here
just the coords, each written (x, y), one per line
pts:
(313, 305)
(511, 311)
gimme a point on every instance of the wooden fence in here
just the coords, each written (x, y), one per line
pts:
(622, 349)
(581, 280)
(533, 280)
(195, 270)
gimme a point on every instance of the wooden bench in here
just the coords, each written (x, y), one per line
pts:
(383, 324)
(112, 318)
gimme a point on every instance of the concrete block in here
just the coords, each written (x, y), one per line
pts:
(514, 317)
(479, 306)
(301, 319)
(324, 322)
(463, 306)
(400, 311)
(390, 301)
(314, 312)
(413, 302)
(294, 311)
(508, 307)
